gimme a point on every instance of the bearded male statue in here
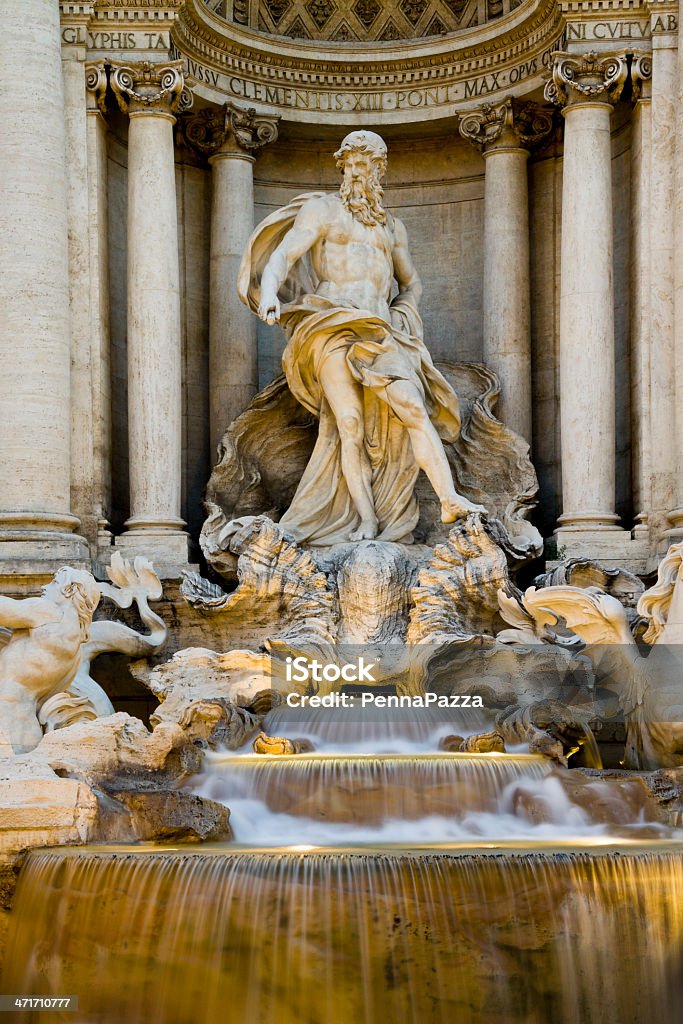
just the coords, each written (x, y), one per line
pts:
(335, 271)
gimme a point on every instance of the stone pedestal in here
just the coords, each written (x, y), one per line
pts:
(151, 94)
(505, 134)
(230, 138)
(36, 523)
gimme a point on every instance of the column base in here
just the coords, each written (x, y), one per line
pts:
(612, 547)
(167, 549)
(675, 534)
(37, 544)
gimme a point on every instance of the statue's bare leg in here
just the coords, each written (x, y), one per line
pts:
(406, 402)
(345, 398)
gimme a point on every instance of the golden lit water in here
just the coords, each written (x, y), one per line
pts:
(369, 788)
(504, 932)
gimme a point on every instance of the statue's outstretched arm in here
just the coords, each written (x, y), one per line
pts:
(409, 284)
(27, 613)
(307, 229)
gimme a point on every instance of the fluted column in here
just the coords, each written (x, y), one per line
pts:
(231, 139)
(151, 94)
(505, 133)
(35, 517)
(586, 86)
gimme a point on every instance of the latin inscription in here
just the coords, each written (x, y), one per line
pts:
(384, 100)
(77, 35)
(621, 30)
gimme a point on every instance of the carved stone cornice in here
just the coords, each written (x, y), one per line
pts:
(507, 125)
(228, 130)
(96, 85)
(586, 78)
(149, 88)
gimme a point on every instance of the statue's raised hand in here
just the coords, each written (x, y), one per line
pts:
(269, 310)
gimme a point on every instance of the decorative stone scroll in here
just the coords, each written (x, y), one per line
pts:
(587, 77)
(96, 85)
(209, 130)
(510, 123)
(150, 88)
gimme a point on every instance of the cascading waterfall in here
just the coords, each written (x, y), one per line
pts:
(336, 936)
(429, 887)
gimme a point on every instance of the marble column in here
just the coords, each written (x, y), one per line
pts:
(660, 414)
(505, 133)
(675, 534)
(35, 504)
(641, 308)
(151, 94)
(83, 487)
(586, 86)
(100, 336)
(231, 139)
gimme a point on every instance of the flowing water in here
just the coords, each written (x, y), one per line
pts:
(363, 887)
(333, 937)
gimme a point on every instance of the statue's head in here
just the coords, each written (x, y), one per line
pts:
(366, 142)
(80, 589)
(362, 159)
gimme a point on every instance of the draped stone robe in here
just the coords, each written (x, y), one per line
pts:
(377, 353)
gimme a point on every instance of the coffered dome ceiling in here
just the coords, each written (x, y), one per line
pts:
(360, 20)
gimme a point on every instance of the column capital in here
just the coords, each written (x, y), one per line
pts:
(149, 88)
(229, 131)
(586, 78)
(507, 125)
(96, 86)
(641, 74)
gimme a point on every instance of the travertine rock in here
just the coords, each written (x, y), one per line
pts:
(198, 674)
(117, 746)
(264, 744)
(218, 724)
(169, 815)
(549, 727)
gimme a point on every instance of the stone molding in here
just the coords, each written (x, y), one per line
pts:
(587, 78)
(507, 125)
(229, 130)
(149, 88)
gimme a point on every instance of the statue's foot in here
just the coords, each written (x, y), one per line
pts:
(458, 508)
(367, 530)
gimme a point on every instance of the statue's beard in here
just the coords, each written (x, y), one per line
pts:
(364, 199)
